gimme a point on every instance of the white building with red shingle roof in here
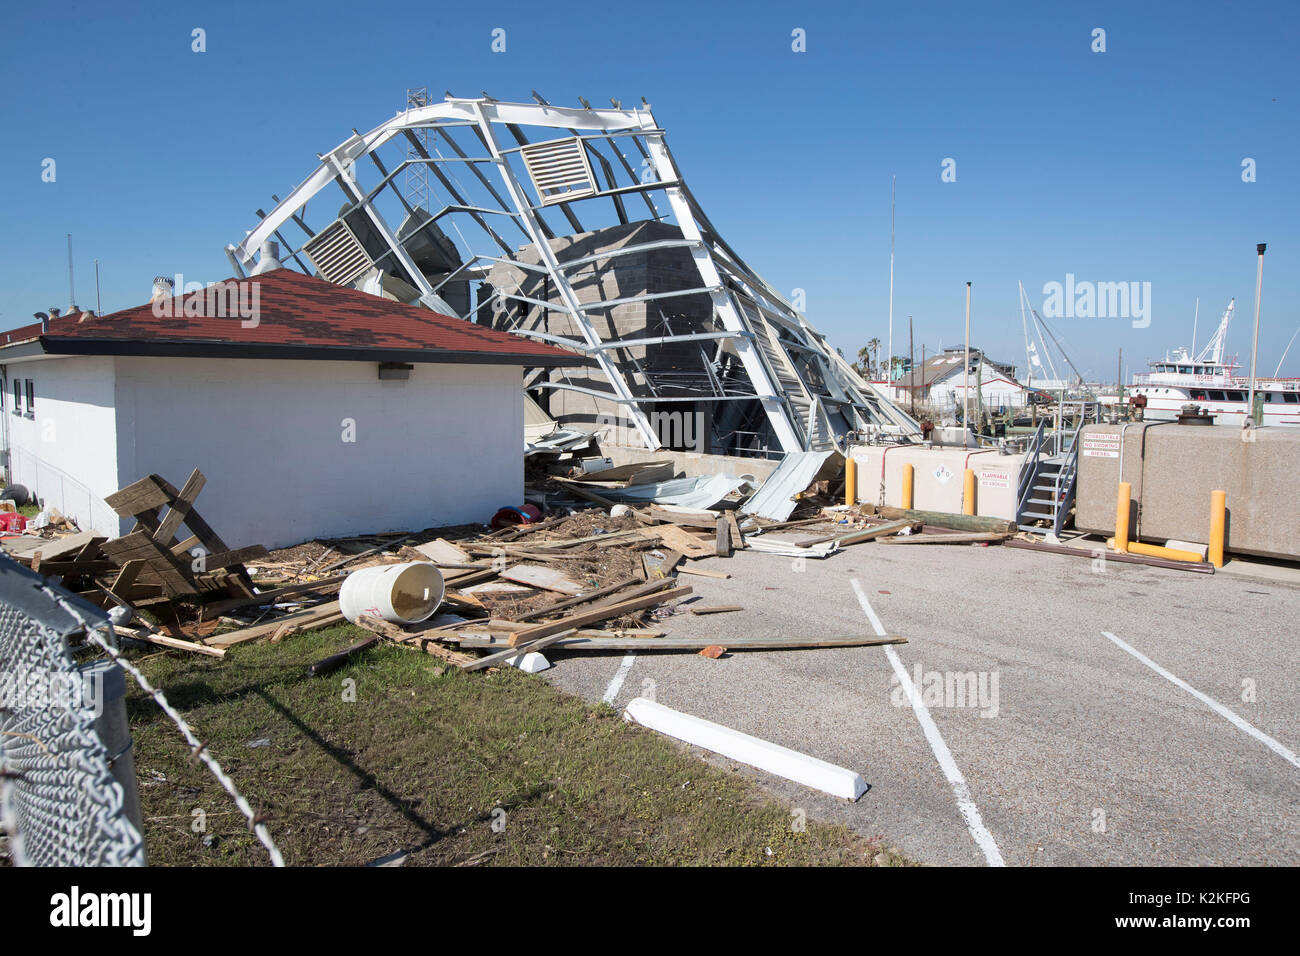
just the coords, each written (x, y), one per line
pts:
(313, 410)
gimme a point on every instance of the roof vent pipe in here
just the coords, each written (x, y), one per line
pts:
(270, 258)
(163, 288)
(44, 320)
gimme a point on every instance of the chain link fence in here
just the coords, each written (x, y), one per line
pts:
(60, 804)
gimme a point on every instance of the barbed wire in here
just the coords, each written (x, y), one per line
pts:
(198, 749)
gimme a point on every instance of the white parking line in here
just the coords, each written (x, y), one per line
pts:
(1210, 702)
(970, 813)
(615, 685)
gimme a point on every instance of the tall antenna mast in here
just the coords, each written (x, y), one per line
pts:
(72, 295)
(889, 358)
(99, 305)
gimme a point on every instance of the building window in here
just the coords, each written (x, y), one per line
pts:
(18, 396)
(31, 399)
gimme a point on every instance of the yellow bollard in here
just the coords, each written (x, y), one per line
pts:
(968, 493)
(850, 482)
(1169, 554)
(1121, 516)
(907, 484)
(1218, 522)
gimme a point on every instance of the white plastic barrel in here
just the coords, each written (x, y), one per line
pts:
(398, 593)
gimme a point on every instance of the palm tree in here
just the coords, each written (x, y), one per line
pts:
(874, 347)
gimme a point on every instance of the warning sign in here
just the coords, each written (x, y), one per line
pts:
(995, 479)
(1101, 446)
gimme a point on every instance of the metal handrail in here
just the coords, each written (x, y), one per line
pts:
(1070, 471)
(1030, 469)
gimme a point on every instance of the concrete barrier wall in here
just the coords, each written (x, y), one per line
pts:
(1173, 468)
(938, 478)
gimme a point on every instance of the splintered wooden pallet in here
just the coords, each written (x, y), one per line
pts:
(154, 563)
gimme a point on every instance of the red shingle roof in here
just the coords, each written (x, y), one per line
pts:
(284, 313)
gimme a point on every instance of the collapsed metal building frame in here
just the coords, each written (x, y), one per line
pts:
(666, 313)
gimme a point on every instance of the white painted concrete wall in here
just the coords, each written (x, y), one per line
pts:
(938, 478)
(444, 447)
(66, 455)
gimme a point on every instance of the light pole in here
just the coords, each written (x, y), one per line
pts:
(1254, 345)
(965, 381)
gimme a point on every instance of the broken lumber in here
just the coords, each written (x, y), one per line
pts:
(415, 640)
(578, 599)
(598, 613)
(943, 519)
(856, 537)
(720, 609)
(514, 650)
(674, 537)
(320, 616)
(172, 643)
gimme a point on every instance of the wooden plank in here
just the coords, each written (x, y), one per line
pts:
(581, 492)
(313, 616)
(598, 613)
(207, 537)
(512, 651)
(720, 609)
(723, 538)
(548, 579)
(442, 551)
(139, 545)
(121, 585)
(679, 540)
(703, 572)
(958, 538)
(572, 642)
(397, 635)
(54, 548)
(570, 602)
(226, 559)
(737, 539)
(171, 642)
(180, 506)
(143, 495)
(182, 550)
(704, 520)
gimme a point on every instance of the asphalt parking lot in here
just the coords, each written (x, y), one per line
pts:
(1046, 710)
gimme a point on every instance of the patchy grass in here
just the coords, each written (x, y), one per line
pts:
(425, 761)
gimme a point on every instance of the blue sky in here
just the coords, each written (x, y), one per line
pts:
(1115, 166)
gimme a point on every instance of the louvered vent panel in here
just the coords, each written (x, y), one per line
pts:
(337, 254)
(559, 169)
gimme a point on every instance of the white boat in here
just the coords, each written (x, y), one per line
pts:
(1209, 381)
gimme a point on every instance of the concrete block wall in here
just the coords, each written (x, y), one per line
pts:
(1173, 468)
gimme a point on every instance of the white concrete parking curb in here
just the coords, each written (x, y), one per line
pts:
(771, 757)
